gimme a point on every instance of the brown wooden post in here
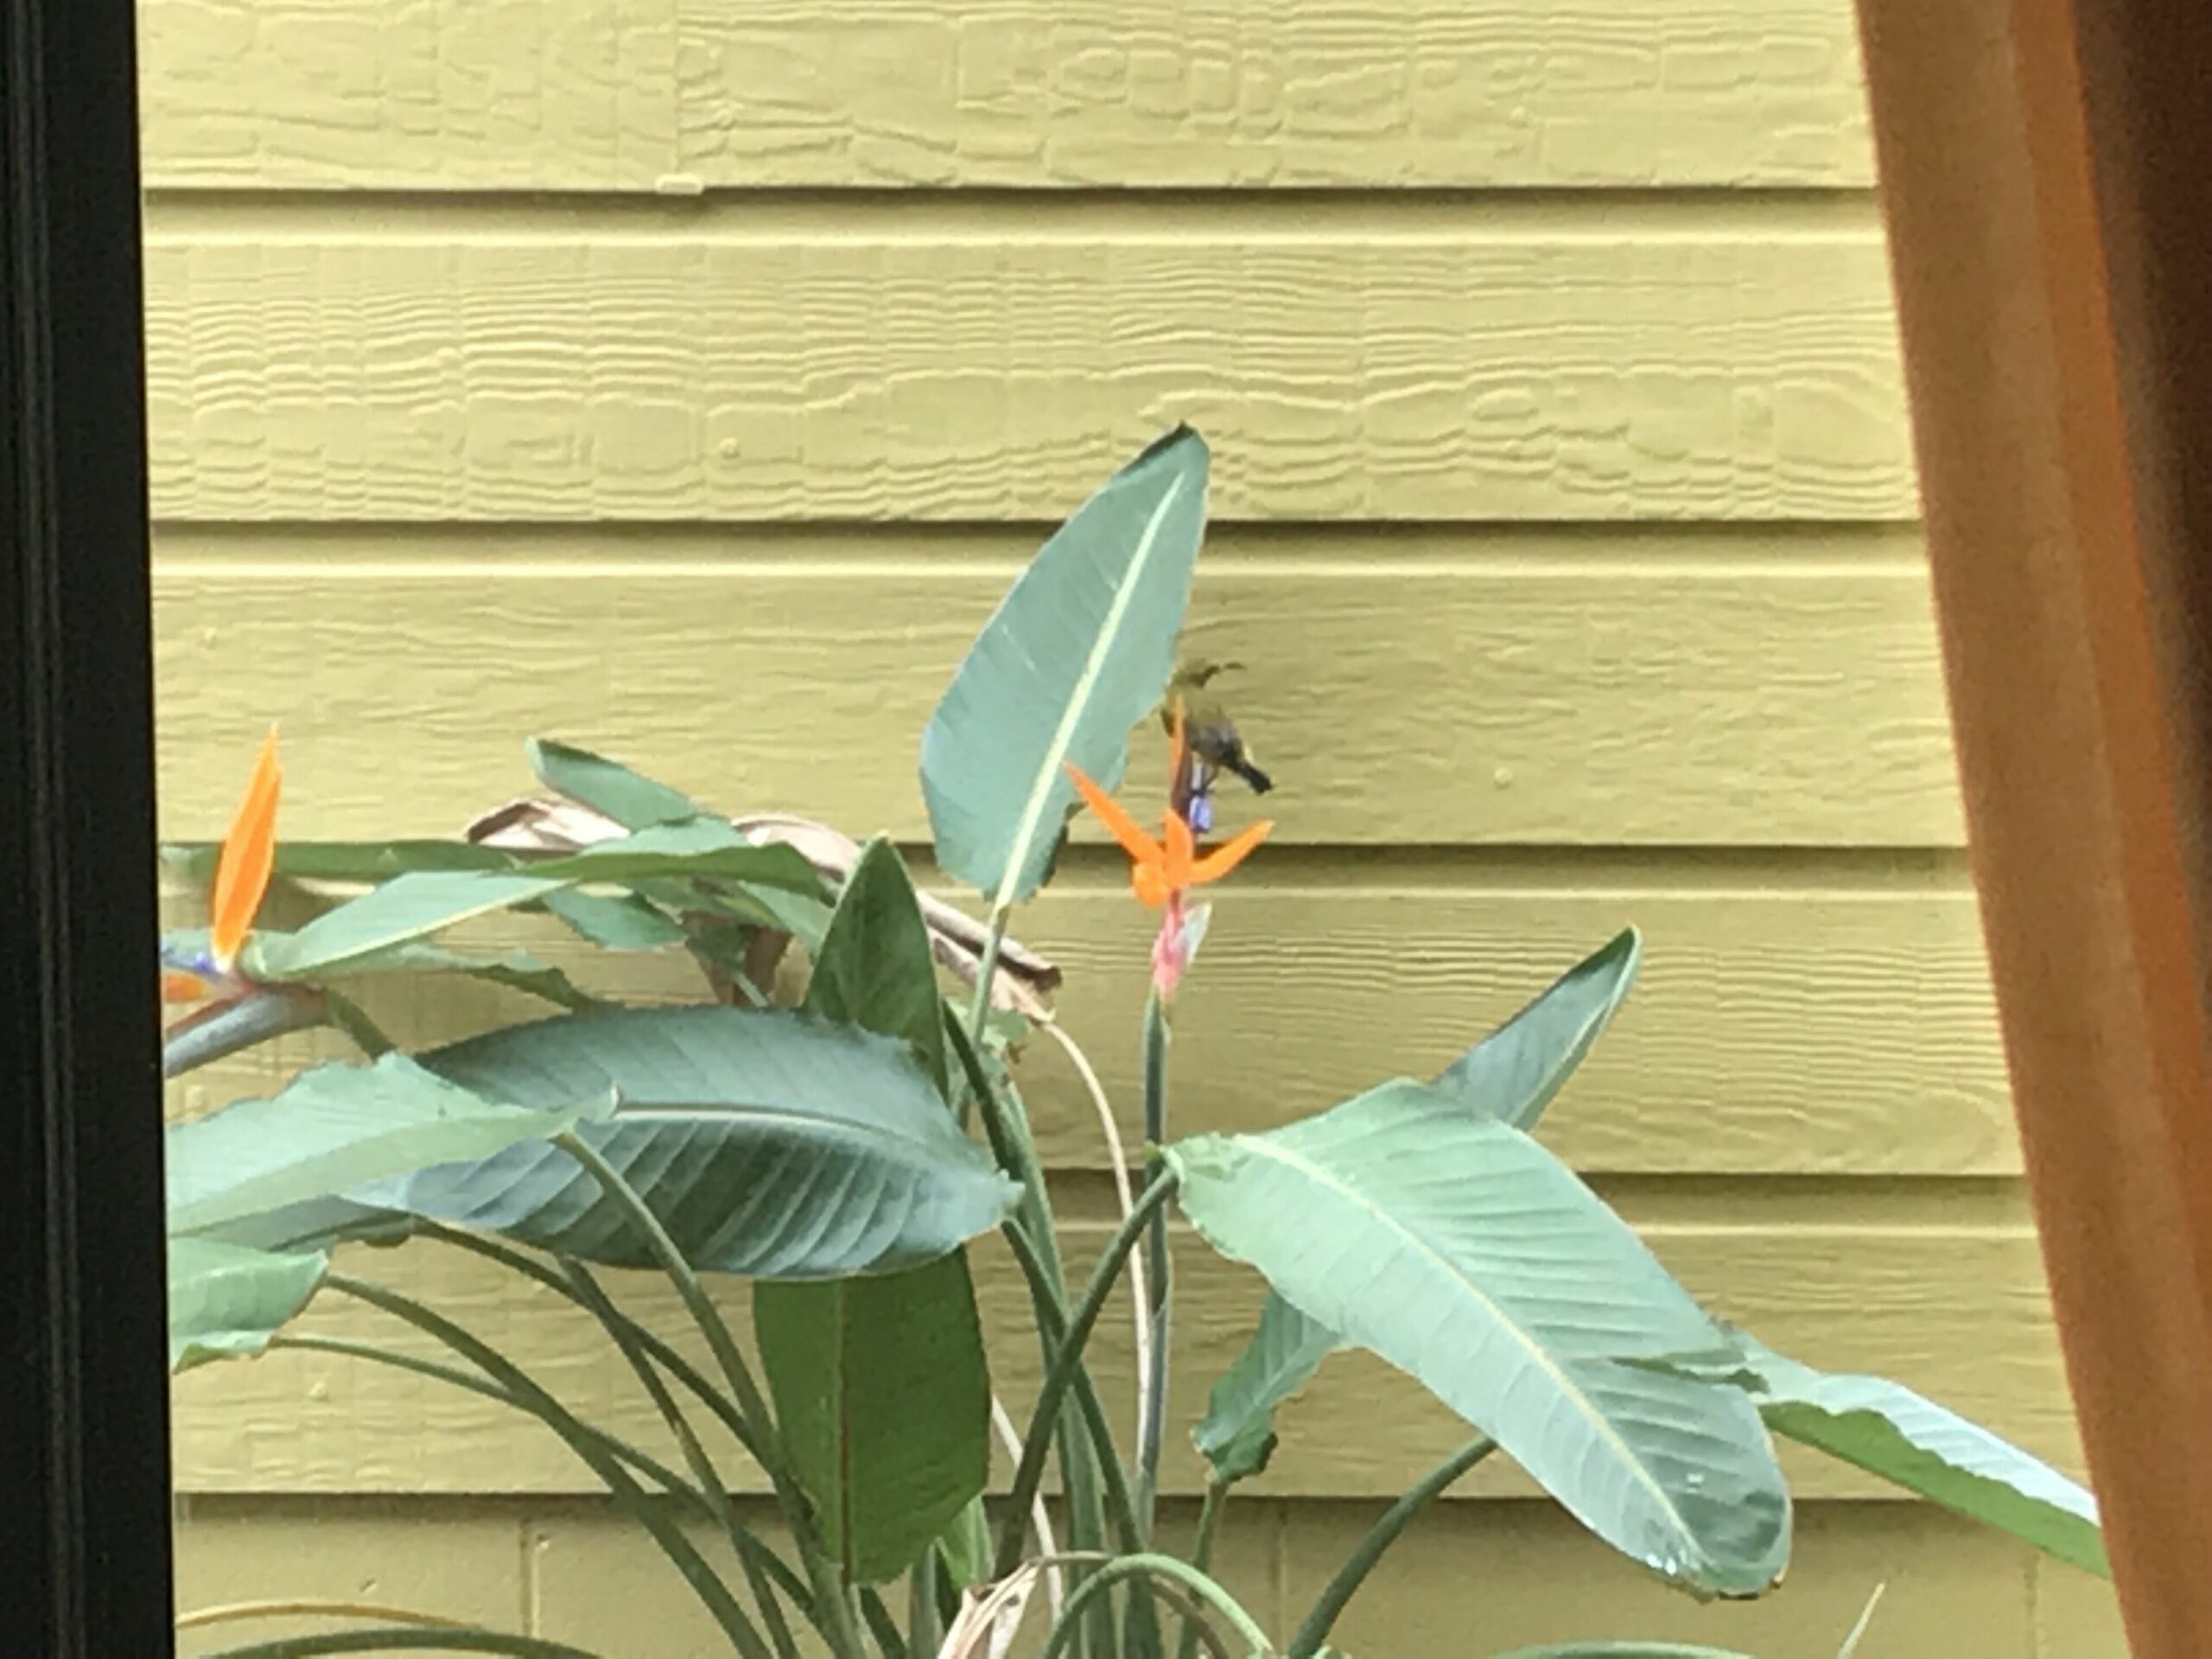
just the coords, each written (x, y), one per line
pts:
(2054, 278)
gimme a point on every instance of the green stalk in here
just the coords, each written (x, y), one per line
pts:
(986, 969)
(621, 1451)
(1086, 1509)
(679, 1549)
(1151, 1399)
(1068, 1363)
(1314, 1631)
(1217, 1500)
(664, 1355)
(786, 1580)
(1180, 1573)
(1143, 1622)
(221, 1029)
(748, 1547)
(884, 1628)
(924, 1625)
(1007, 1127)
(1054, 1327)
(352, 1018)
(833, 1610)
(405, 1638)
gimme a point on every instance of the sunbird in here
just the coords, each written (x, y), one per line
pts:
(1214, 744)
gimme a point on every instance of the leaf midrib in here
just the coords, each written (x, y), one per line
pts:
(1040, 788)
(1512, 1327)
(935, 1146)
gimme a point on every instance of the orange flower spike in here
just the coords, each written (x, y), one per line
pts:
(1160, 870)
(1231, 853)
(248, 859)
(1139, 846)
(177, 986)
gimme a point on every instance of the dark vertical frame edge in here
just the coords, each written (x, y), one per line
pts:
(84, 1428)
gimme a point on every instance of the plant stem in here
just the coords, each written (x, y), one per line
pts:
(748, 1547)
(405, 1638)
(926, 1629)
(885, 1628)
(238, 1611)
(679, 1549)
(1118, 1160)
(1068, 1363)
(986, 969)
(834, 1611)
(1217, 1500)
(352, 1018)
(1054, 1327)
(1160, 1567)
(1086, 1510)
(1007, 1127)
(1340, 1589)
(665, 1356)
(1143, 1623)
(621, 1451)
(221, 1029)
(787, 1580)
(1152, 1397)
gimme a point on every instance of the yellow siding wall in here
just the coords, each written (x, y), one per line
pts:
(686, 376)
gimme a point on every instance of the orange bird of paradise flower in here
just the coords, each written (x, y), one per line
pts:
(242, 873)
(1161, 872)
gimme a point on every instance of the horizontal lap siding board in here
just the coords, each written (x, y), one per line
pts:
(1786, 1027)
(1730, 700)
(1416, 371)
(639, 94)
(586, 1572)
(1958, 1309)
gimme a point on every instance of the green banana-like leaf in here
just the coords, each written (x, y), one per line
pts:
(884, 1402)
(414, 906)
(227, 1300)
(768, 1143)
(1461, 1251)
(614, 921)
(1516, 1071)
(362, 862)
(335, 1127)
(607, 786)
(880, 1385)
(873, 966)
(1510, 1075)
(1887, 1429)
(704, 848)
(1078, 652)
(515, 969)
(1237, 1434)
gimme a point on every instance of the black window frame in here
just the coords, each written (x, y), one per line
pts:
(84, 1388)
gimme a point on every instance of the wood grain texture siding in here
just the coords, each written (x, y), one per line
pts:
(1957, 1312)
(475, 94)
(1443, 374)
(1352, 93)
(1794, 1030)
(1502, 1569)
(1525, 1574)
(461, 1560)
(618, 94)
(593, 1570)
(1590, 703)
